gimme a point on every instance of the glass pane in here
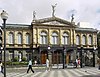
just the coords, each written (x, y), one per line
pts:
(11, 38)
(83, 40)
(27, 39)
(19, 38)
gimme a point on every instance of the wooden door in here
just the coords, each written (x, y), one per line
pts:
(56, 58)
(67, 58)
(43, 58)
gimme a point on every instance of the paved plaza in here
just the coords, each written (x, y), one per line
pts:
(41, 72)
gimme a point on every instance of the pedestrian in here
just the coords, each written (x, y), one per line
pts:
(30, 66)
(98, 61)
(76, 63)
(47, 64)
(1, 67)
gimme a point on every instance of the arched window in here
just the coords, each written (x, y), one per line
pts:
(11, 38)
(27, 38)
(43, 38)
(19, 38)
(77, 39)
(83, 40)
(54, 38)
(90, 40)
(65, 38)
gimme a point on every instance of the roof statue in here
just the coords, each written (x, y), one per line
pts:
(34, 15)
(72, 19)
(53, 9)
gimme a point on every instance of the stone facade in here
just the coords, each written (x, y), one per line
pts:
(54, 32)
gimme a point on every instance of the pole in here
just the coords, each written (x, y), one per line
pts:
(4, 23)
(94, 58)
(81, 57)
(64, 55)
(49, 57)
(63, 61)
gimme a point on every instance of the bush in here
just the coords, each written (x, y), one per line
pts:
(15, 59)
(16, 63)
(8, 63)
(23, 59)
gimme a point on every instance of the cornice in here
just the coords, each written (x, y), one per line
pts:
(86, 30)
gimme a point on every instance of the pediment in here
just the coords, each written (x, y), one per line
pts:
(52, 21)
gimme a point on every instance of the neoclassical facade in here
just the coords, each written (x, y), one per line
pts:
(54, 35)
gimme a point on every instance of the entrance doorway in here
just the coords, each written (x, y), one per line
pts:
(57, 57)
(43, 57)
(67, 58)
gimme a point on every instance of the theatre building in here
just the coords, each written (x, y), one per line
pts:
(53, 38)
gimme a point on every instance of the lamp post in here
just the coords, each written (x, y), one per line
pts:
(1, 53)
(84, 58)
(64, 54)
(4, 17)
(81, 63)
(49, 56)
(94, 56)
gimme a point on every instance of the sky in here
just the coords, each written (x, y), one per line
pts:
(21, 11)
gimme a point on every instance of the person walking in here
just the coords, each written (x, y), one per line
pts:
(47, 65)
(30, 66)
(76, 62)
(1, 67)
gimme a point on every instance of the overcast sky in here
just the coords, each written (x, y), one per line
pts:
(21, 11)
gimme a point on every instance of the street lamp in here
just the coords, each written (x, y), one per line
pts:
(4, 17)
(64, 54)
(94, 56)
(49, 56)
(1, 53)
(49, 48)
(81, 63)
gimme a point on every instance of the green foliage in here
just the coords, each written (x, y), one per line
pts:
(23, 59)
(16, 63)
(19, 63)
(15, 59)
(8, 63)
